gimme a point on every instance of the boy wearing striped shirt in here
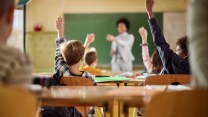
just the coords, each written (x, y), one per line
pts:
(68, 60)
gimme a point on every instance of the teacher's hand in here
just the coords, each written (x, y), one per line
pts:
(110, 38)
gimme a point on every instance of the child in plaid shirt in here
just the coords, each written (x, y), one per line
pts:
(68, 60)
(69, 55)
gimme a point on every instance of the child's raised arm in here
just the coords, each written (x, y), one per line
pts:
(89, 39)
(60, 64)
(149, 8)
(145, 50)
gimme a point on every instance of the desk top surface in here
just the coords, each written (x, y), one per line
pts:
(97, 95)
(83, 92)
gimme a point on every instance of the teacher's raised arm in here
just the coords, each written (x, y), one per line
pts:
(121, 48)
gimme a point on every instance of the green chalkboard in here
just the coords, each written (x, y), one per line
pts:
(78, 25)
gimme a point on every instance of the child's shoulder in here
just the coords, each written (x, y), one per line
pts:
(14, 60)
(86, 74)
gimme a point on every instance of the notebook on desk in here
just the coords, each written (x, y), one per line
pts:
(109, 79)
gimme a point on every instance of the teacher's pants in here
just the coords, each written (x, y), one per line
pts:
(121, 66)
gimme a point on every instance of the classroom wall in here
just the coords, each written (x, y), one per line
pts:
(174, 27)
(16, 37)
(45, 12)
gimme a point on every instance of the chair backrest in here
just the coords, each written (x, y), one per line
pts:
(168, 79)
(179, 104)
(78, 81)
(17, 102)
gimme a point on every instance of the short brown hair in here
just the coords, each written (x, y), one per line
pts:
(156, 62)
(72, 51)
(183, 44)
(90, 56)
(5, 5)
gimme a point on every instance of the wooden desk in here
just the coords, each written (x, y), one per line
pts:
(93, 95)
(97, 95)
(76, 96)
(140, 96)
(125, 81)
(131, 96)
(135, 81)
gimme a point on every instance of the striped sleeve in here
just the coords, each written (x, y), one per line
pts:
(60, 64)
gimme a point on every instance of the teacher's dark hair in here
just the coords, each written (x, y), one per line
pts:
(124, 21)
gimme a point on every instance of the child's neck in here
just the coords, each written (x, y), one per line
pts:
(75, 69)
(93, 65)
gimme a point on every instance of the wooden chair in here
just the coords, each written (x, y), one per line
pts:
(17, 102)
(179, 104)
(78, 81)
(168, 79)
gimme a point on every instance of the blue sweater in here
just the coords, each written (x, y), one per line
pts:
(173, 64)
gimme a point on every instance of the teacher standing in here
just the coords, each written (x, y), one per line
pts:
(121, 48)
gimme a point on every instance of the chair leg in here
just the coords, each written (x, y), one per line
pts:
(135, 110)
(119, 109)
(126, 110)
(85, 111)
(102, 112)
(107, 110)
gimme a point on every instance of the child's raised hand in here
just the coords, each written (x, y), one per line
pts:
(90, 38)
(149, 5)
(143, 33)
(60, 27)
(149, 8)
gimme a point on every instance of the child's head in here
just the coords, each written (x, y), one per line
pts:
(123, 25)
(182, 47)
(156, 61)
(73, 52)
(91, 57)
(6, 19)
